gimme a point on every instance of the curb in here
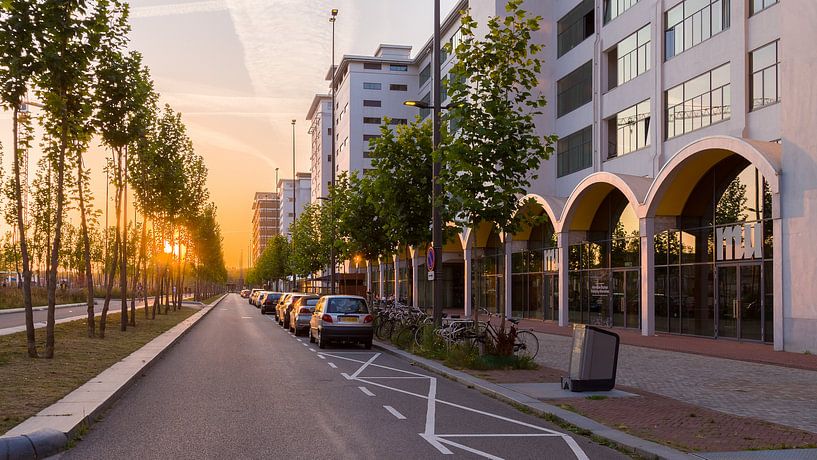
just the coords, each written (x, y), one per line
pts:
(39, 436)
(7, 311)
(641, 447)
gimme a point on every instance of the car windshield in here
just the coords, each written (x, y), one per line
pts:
(311, 302)
(273, 297)
(343, 305)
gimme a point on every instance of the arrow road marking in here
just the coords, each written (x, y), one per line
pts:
(394, 412)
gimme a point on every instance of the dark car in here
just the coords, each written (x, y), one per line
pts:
(270, 301)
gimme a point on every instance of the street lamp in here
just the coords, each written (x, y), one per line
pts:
(334, 14)
(294, 213)
(437, 189)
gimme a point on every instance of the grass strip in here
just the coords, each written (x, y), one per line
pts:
(28, 386)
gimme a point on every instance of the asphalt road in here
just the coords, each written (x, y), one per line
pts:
(239, 386)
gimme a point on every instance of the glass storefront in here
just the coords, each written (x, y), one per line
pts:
(603, 271)
(713, 270)
(535, 275)
(374, 272)
(487, 275)
(388, 280)
(403, 280)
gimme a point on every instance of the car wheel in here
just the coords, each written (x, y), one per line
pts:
(292, 330)
(321, 342)
(311, 337)
(367, 345)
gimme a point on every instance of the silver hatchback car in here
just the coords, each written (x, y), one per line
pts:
(301, 313)
(341, 318)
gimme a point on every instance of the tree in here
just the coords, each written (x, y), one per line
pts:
(308, 255)
(18, 64)
(490, 162)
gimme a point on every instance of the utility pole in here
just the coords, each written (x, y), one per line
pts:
(331, 205)
(437, 190)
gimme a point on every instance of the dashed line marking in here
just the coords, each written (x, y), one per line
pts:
(332, 365)
(305, 344)
(394, 412)
(299, 340)
(366, 391)
(321, 356)
(313, 350)
(346, 376)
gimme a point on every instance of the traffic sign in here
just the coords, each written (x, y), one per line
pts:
(431, 259)
(431, 276)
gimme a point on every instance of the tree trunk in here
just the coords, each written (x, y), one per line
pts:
(122, 198)
(114, 262)
(86, 250)
(18, 196)
(55, 250)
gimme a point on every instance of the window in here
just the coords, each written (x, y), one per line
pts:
(613, 8)
(329, 131)
(367, 154)
(425, 112)
(368, 137)
(575, 27)
(574, 152)
(575, 89)
(398, 121)
(367, 85)
(394, 87)
(329, 158)
(371, 103)
(398, 68)
(371, 120)
(765, 63)
(760, 5)
(425, 74)
(630, 57)
(372, 66)
(629, 130)
(699, 102)
(692, 22)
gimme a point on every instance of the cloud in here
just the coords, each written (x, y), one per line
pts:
(174, 9)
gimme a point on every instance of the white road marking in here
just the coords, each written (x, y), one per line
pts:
(346, 376)
(305, 344)
(299, 340)
(313, 350)
(365, 365)
(332, 365)
(366, 391)
(394, 412)
(469, 449)
(246, 317)
(321, 356)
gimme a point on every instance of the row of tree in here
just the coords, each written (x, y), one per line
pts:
(72, 55)
(490, 153)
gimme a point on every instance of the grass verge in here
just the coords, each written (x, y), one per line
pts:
(29, 385)
(210, 300)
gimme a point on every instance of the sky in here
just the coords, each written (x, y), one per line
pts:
(240, 71)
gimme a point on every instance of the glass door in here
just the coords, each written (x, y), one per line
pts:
(728, 301)
(751, 314)
(618, 298)
(632, 294)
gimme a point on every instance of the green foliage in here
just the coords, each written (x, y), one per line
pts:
(308, 253)
(360, 216)
(207, 252)
(494, 92)
(273, 263)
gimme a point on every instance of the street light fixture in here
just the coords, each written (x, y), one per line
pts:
(294, 212)
(426, 105)
(334, 14)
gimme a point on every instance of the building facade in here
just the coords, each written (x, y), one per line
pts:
(319, 117)
(265, 210)
(681, 195)
(295, 195)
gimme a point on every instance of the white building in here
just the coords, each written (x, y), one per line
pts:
(682, 195)
(320, 131)
(295, 195)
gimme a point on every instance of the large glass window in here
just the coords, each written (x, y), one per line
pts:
(630, 57)
(371, 85)
(574, 152)
(629, 130)
(575, 89)
(760, 5)
(699, 102)
(535, 274)
(613, 8)
(425, 74)
(576, 26)
(765, 63)
(692, 22)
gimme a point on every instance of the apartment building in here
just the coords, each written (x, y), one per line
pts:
(319, 117)
(681, 195)
(265, 209)
(295, 195)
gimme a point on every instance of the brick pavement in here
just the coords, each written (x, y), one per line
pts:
(777, 394)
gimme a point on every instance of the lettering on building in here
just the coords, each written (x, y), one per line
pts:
(739, 242)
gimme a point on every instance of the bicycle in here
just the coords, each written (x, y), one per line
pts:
(525, 342)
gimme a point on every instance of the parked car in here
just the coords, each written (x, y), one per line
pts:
(301, 313)
(341, 318)
(285, 308)
(281, 302)
(270, 301)
(251, 297)
(259, 298)
(245, 293)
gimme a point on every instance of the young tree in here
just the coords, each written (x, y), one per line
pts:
(494, 93)
(19, 62)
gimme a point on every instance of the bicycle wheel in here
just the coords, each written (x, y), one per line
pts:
(404, 336)
(420, 334)
(527, 344)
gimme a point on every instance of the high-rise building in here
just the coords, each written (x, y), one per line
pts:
(299, 195)
(681, 197)
(265, 209)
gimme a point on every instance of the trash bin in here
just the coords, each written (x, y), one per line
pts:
(593, 360)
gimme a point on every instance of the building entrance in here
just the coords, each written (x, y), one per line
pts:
(740, 313)
(625, 295)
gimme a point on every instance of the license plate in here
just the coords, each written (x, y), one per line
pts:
(348, 319)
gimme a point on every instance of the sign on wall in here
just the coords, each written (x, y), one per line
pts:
(739, 242)
(552, 260)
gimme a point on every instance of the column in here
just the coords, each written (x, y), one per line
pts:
(563, 240)
(381, 286)
(777, 275)
(368, 276)
(646, 230)
(468, 286)
(508, 269)
(415, 280)
(396, 278)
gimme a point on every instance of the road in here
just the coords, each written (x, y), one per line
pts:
(239, 386)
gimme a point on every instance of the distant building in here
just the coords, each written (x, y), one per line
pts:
(265, 207)
(287, 213)
(320, 117)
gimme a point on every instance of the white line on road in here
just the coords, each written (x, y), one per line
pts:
(332, 365)
(313, 350)
(246, 317)
(346, 376)
(305, 344)
(394, 412)
(299, 340)
(366, 391)
(321, 356)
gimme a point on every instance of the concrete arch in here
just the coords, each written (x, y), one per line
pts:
(581, 206)
(669, 191)
(552, 206)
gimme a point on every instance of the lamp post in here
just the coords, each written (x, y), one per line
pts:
(294, 212)
(334, 13)
(436, 186)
